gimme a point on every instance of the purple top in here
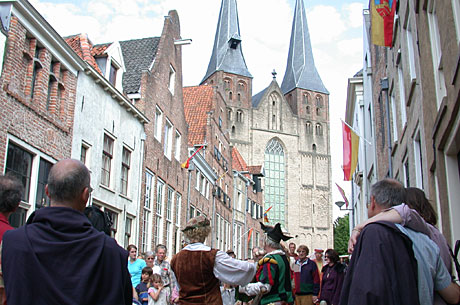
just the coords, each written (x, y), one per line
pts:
(331, 285)
(412, 220)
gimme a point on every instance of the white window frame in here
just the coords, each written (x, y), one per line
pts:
(402, 97)
(410, 49)
(456, 13)
(126, 166)
(436, 53)
(147, 217)
(418, 162)
(394, 116)
(158, 123)
(172, 79)
(178, 145)
(167, 145)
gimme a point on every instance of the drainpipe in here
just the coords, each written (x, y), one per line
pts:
(384, 86)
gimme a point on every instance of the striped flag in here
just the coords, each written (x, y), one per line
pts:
(382, 21)
(265, 214)
(350, 151)
(186, 164)
(249, 234)
(342, 192)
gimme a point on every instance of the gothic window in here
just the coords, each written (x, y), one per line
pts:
(318, 111)
(319, 101)
(275, 181)
(314, 147)
(308, 109)
(229, 114)
(230, 95)
(319, 130)
(239, 116)
(239, 97)
(308, 128)
(227, 84)
(306, 98)
(233, 129)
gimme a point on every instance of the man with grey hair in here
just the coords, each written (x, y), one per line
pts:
(58, 257)
(406, 265)
(167, 275)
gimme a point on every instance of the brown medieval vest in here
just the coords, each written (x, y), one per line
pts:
(194, 273)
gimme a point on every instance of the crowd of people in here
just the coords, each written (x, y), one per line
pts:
(58, 257)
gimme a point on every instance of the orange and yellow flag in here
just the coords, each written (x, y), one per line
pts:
(350, 151)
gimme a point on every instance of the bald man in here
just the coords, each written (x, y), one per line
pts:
(58, 257)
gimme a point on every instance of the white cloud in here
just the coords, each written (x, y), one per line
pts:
(354, 13)
(325, 24)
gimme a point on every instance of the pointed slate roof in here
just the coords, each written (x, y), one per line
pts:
(300, 70)
(227, 54)
(138, 55)
(197, 103)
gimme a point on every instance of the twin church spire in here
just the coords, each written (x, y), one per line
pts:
(227, 55)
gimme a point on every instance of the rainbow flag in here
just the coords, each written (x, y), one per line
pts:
(350, 151)
(382, 20)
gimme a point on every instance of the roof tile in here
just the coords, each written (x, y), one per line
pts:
(197, 103)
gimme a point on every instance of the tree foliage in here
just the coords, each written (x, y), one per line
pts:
(341, 234)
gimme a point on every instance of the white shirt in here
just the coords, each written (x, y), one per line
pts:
(227, 269)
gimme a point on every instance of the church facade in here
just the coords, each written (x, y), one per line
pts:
(285, 128)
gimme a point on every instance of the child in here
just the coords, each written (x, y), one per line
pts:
(157, 296)
(143, 287)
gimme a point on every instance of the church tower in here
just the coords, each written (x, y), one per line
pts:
(285, 128)
(227, 71)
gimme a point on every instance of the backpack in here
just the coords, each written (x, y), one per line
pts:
(100, 220)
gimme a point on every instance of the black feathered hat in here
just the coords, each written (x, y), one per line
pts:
(275, 232)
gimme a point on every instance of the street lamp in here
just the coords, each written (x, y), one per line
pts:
(340, 205)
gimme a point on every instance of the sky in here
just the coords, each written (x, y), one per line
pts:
(265, 25)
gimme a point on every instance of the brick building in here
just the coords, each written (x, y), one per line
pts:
(153, 82)
(414, 93)
(38, 92)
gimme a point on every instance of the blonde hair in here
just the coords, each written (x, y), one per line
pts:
(156, 278)
(197, 234)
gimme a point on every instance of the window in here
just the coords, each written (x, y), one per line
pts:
(84, 154)
(159, 205)
(18, 218)
(128, 224)
(169, 204)
(19, 162)
(306, 98)
(230, 95)
(157, 236)
(114, 217)
(406, 171)
(107, 155)
(146, 232)
(402, 97)
(178, 208)
(178, 144)
(198, 180)
(42, 200)
(418, 161)
(456, 13)
(229, 114)
(125, 165)
(308, 110)
(158, 123)
(318, 111)
(239, 116)
(172, 79)
(226, 84)
(275, 181)
(192, 212)
(113, 74)
(167, 145)
(410, 49)
(319, 101)
(393, 118)
(308, 128)
(319, 130)
(436, 53)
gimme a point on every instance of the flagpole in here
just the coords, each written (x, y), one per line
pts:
(357, 133)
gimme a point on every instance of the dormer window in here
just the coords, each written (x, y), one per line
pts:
(113, 74)
(234, 41)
